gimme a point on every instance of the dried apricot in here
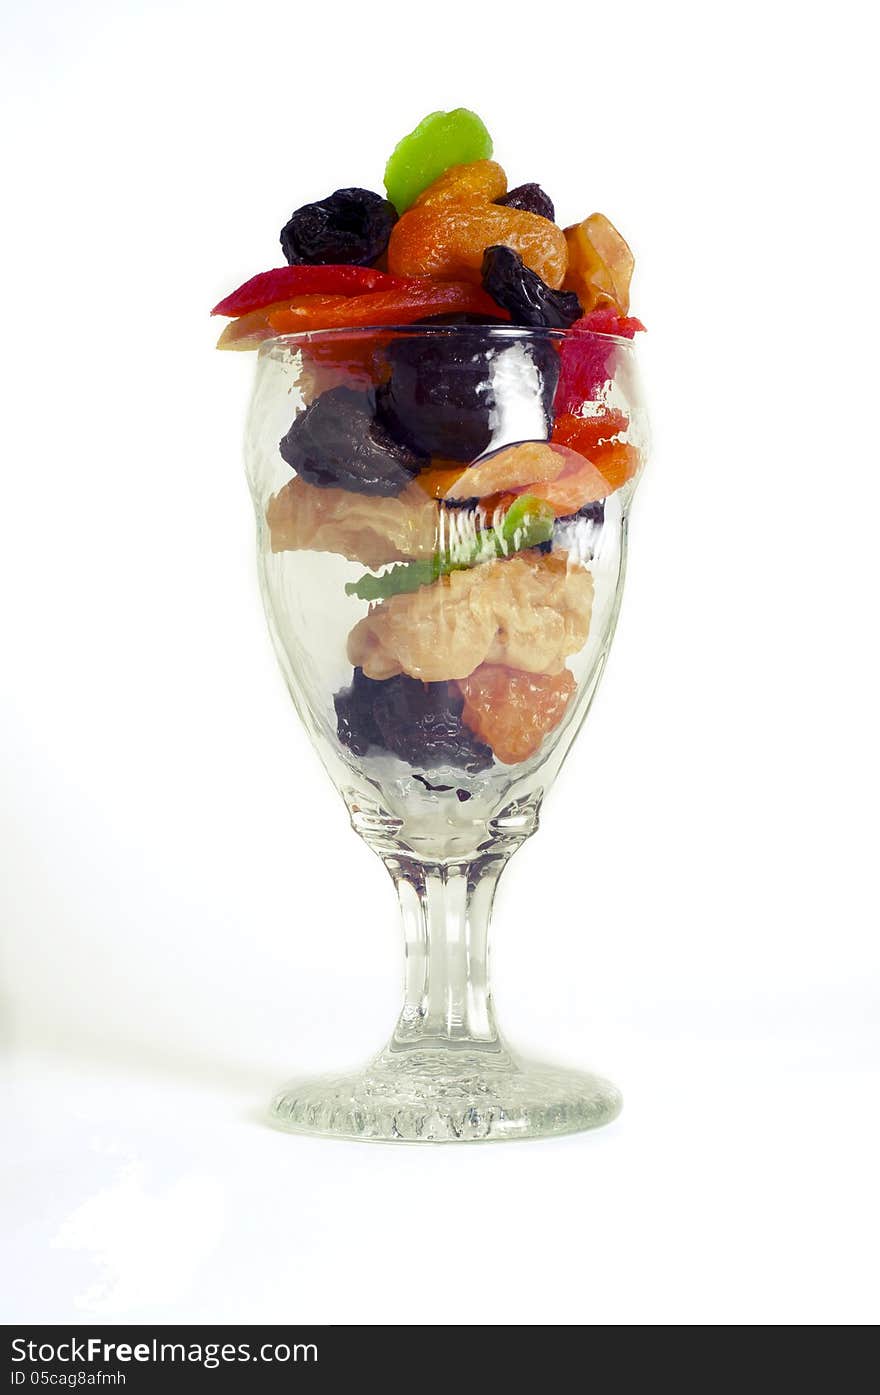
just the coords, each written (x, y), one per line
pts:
(514, 467)
(482, 181)
(364, 528)
(583, 484)
(447, 241)
(513, 711)
(528, 612)
(600, 264)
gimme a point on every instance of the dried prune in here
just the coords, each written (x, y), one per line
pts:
(355, 725)
(454, 395)
(338, 443)
(418, 722)
(529, 198)
(529, 300)
(350, 226)
(421, 723)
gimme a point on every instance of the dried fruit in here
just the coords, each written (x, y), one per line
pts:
(362, 527)
(530, 612)
(513, 711)
(584, 434)
(337, 442)
(480, 182)
(589, 357)
(421, 723)
(351, 226)
(600, 264)
(529, 198)
(527, 523)
(609, 322)
(514, 467)
(583, 484)
(285, 282)
(453, 395)
(411, 301)
(448, 242)
(439, 478)
(617, 462)
(249, 331)
(355, 725)
(529, 300)
(418, 722)
(442, 139)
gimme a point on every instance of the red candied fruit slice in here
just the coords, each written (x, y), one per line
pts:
(415, 301)
(607, 321)
(286, 282)
(588, 357)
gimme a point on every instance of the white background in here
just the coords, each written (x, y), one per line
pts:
(187, 918)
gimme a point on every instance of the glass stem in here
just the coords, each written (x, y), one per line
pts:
(446, 909)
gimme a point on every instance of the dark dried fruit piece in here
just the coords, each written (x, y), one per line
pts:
(447, 394)
(529, 198)
(418, 722)
(337, 443)
(521, 291)
(421, 723)
(351, 226)
(355, 726)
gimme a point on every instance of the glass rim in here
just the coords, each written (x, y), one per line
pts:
(304, 337)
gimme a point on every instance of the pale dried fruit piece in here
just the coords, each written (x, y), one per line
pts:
(366, 528)
(514, 467)
(528, 612)
(482, 181)
(584, 484)
(513, 711)
(447, 241)
(600, 265)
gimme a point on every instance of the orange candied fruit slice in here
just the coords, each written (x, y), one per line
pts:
(512, 711)
(600, 265)
(617, 462)
(584, 434)
(249, 331)
(447, 241)
(482, 181)
(414, 301)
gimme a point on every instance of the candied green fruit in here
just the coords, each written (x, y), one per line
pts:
(443, 139)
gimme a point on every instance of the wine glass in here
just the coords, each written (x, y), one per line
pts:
(441, 578)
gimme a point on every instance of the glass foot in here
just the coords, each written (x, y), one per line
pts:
(447, 1095)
